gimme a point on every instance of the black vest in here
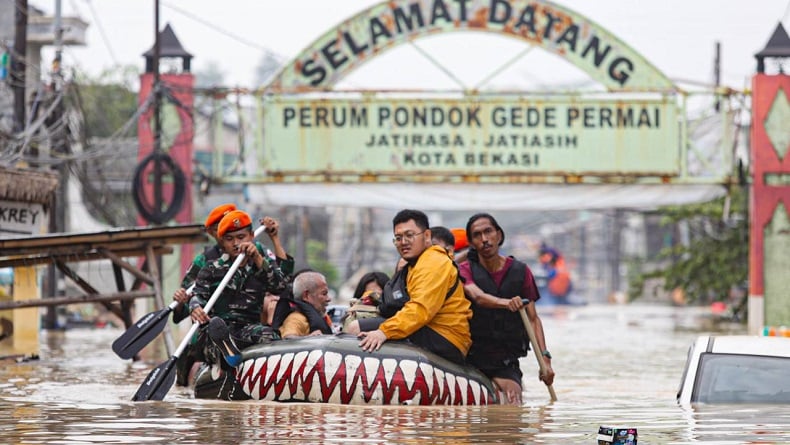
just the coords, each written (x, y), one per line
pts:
(287, 305)
(498, 329)
(395, 295)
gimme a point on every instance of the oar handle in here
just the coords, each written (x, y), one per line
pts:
(215, 296)
(172, 306)
(535, 348)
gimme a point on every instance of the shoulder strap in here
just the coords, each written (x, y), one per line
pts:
(457, 280)
(281, 311)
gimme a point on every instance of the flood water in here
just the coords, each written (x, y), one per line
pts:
(615, 365)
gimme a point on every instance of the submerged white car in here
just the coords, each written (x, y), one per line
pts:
(736, 369)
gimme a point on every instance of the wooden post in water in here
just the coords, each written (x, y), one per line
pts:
(25, 321)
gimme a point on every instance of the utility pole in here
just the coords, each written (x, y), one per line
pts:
(59, 145)
(157, 112)
(717, 75)
(158, 150)
(19, 65)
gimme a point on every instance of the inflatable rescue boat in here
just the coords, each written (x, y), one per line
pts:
(333, 369)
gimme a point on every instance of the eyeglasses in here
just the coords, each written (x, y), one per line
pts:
(408, 237)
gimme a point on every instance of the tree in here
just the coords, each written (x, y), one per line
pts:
(107, 101)
(716, 258)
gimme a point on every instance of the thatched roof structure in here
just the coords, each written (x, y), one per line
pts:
(30, 186)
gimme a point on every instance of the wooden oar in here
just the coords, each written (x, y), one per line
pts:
(538, 353)
(160, 379)
(144, 331)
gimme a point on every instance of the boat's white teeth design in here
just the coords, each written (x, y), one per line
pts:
(273, 364)
(333, 362)
(313, 358)
(255, 391)
(245, 366)
(352, 363)
(409, 370)
(427, 372)
(390, 366)
(243, 370)
(371, 366)
(257, 365)
(336, 377)
(299, 359)
(285, 365)
(251, 380)
(441, 389)
(315, 393)
(295, 382)
(451, 387)
(463, 386)
(475, 393)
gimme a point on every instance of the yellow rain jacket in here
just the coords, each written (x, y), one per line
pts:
(427, 283)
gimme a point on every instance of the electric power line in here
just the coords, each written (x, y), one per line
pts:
(223, 31)
(101, 31)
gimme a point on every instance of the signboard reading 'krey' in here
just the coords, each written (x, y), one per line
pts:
(471, 136)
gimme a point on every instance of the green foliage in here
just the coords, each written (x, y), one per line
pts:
(107, 101)
(317, 259)
(716, 258)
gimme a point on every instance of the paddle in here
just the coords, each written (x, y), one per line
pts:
(161, 379)
(144, 331)
(534, 342)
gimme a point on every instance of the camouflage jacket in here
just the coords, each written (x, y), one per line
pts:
(241, 302)
(210, 253)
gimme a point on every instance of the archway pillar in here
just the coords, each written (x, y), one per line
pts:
(769, 301)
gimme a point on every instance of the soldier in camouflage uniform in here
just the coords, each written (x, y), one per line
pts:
(182, 295)
(210, 253)
(240, 304)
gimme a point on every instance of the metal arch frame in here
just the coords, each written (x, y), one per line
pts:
(362, 36)
(380, 21)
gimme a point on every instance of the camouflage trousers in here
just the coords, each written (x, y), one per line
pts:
(203, 349)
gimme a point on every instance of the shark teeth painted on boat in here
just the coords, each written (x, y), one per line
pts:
(409, 371)
(371, 368)
(347, 376)
(351, 381)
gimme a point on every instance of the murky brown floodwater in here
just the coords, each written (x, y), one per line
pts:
(615, 366)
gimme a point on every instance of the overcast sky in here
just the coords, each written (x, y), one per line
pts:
(677, 36)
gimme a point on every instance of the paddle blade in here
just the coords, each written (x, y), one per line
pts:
(141, 333)
(158, 382)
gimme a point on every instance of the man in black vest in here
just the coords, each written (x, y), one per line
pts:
(496, 285)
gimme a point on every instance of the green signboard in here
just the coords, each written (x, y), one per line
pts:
(487, 136)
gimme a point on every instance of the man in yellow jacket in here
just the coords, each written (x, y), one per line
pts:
(424, 302)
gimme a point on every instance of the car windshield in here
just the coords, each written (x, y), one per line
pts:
(734, 378)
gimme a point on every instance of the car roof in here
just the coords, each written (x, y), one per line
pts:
(746, 344)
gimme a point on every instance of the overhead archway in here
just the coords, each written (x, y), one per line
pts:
(552, 27)
(630, 134)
